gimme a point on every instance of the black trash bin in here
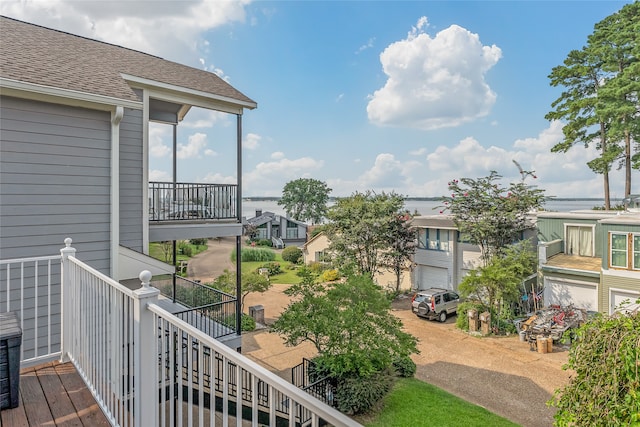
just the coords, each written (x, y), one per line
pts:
(10, 342)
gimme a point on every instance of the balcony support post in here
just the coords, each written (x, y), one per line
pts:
(145, 371)
(66, 298)
(239, 238)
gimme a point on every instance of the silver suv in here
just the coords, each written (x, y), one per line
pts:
(435, 303)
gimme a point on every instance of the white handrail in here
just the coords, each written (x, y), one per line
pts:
(317, 408)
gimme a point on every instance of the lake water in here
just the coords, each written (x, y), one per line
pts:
(425, 207)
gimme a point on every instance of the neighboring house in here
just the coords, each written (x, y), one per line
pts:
(282, 231)
(442, 259)
(74, 149)
(590, 259)
(316, 249)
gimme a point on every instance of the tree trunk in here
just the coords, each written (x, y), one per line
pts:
(627, 164)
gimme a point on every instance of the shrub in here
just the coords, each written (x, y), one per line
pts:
(185, 249)
(264, 242)
(247, 323)
(330, 276)
(404, 367)
(273, 268)
(462, 320)
(355, 395)
(198, 242)
(292, 254)
(318, 267)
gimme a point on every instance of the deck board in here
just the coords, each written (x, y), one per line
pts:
(53, 394)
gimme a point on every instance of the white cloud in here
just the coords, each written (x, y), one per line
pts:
(434, 82)
(210, 153)
(157, 135)
(366, 46)
(419, 152)
(251, 141)
(277, 155)
(196, 145)
(165, 28)
(160, 175)
(268, 178)
(200, 118)
(218, 178)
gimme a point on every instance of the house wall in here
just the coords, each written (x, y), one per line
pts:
(131, 180)
(612, 281)
(621, 228)
(55, 180)
(550, 229)
(54, 184)
(318, 244)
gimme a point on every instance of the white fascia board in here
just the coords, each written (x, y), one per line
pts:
(36, 92)
(196, 98)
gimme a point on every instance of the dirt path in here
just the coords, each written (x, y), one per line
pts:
(208, 265)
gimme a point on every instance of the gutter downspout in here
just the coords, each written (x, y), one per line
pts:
(116, 117)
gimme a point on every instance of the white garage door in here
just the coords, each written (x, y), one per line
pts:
(619, 296)
(564, 292)
(433, 277)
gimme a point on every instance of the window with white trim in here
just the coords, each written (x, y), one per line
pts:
(433, 239)
(624, 250)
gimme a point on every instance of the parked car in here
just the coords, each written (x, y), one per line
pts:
(435, 303)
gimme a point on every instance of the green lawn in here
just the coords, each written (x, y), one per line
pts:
(415, 403)
(161, 252)
(287, 277)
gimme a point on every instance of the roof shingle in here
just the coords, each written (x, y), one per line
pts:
(34, 54)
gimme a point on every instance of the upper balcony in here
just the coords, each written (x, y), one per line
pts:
(183, 211)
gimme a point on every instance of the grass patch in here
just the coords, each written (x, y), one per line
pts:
(287, 277)
(160, 251)
(413, 402)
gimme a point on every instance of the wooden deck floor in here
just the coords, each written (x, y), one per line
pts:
(53, 394)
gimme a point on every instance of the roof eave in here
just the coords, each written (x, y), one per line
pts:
(26, 90)
(191, 97)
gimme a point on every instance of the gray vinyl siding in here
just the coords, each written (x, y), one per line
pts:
(131, 173)
(54, 184)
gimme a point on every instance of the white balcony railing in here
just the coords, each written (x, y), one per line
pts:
(146, 367)
(31, 287)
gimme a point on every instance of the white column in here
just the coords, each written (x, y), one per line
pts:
(145, 383)
(67, 299)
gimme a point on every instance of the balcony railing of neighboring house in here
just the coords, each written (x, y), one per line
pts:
(548, 249)
(192, 202)
(143, 365)
(206, 308)
(31, 287)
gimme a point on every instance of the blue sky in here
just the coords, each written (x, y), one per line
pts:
(364, 95)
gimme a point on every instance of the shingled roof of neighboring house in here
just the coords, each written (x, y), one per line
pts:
(33, 54)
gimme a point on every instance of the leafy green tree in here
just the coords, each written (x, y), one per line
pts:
(601, 102)
(501, 278)
(616, 40)
(490, 215)
(398, 255)
(250, 282)
(605, 389)
(581, 74)
(253, 282)
(361, 227)
(305, 199)
(349, 323)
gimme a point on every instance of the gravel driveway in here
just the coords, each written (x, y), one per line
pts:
(500, 374)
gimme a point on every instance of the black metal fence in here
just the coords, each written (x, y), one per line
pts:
(206, 308)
